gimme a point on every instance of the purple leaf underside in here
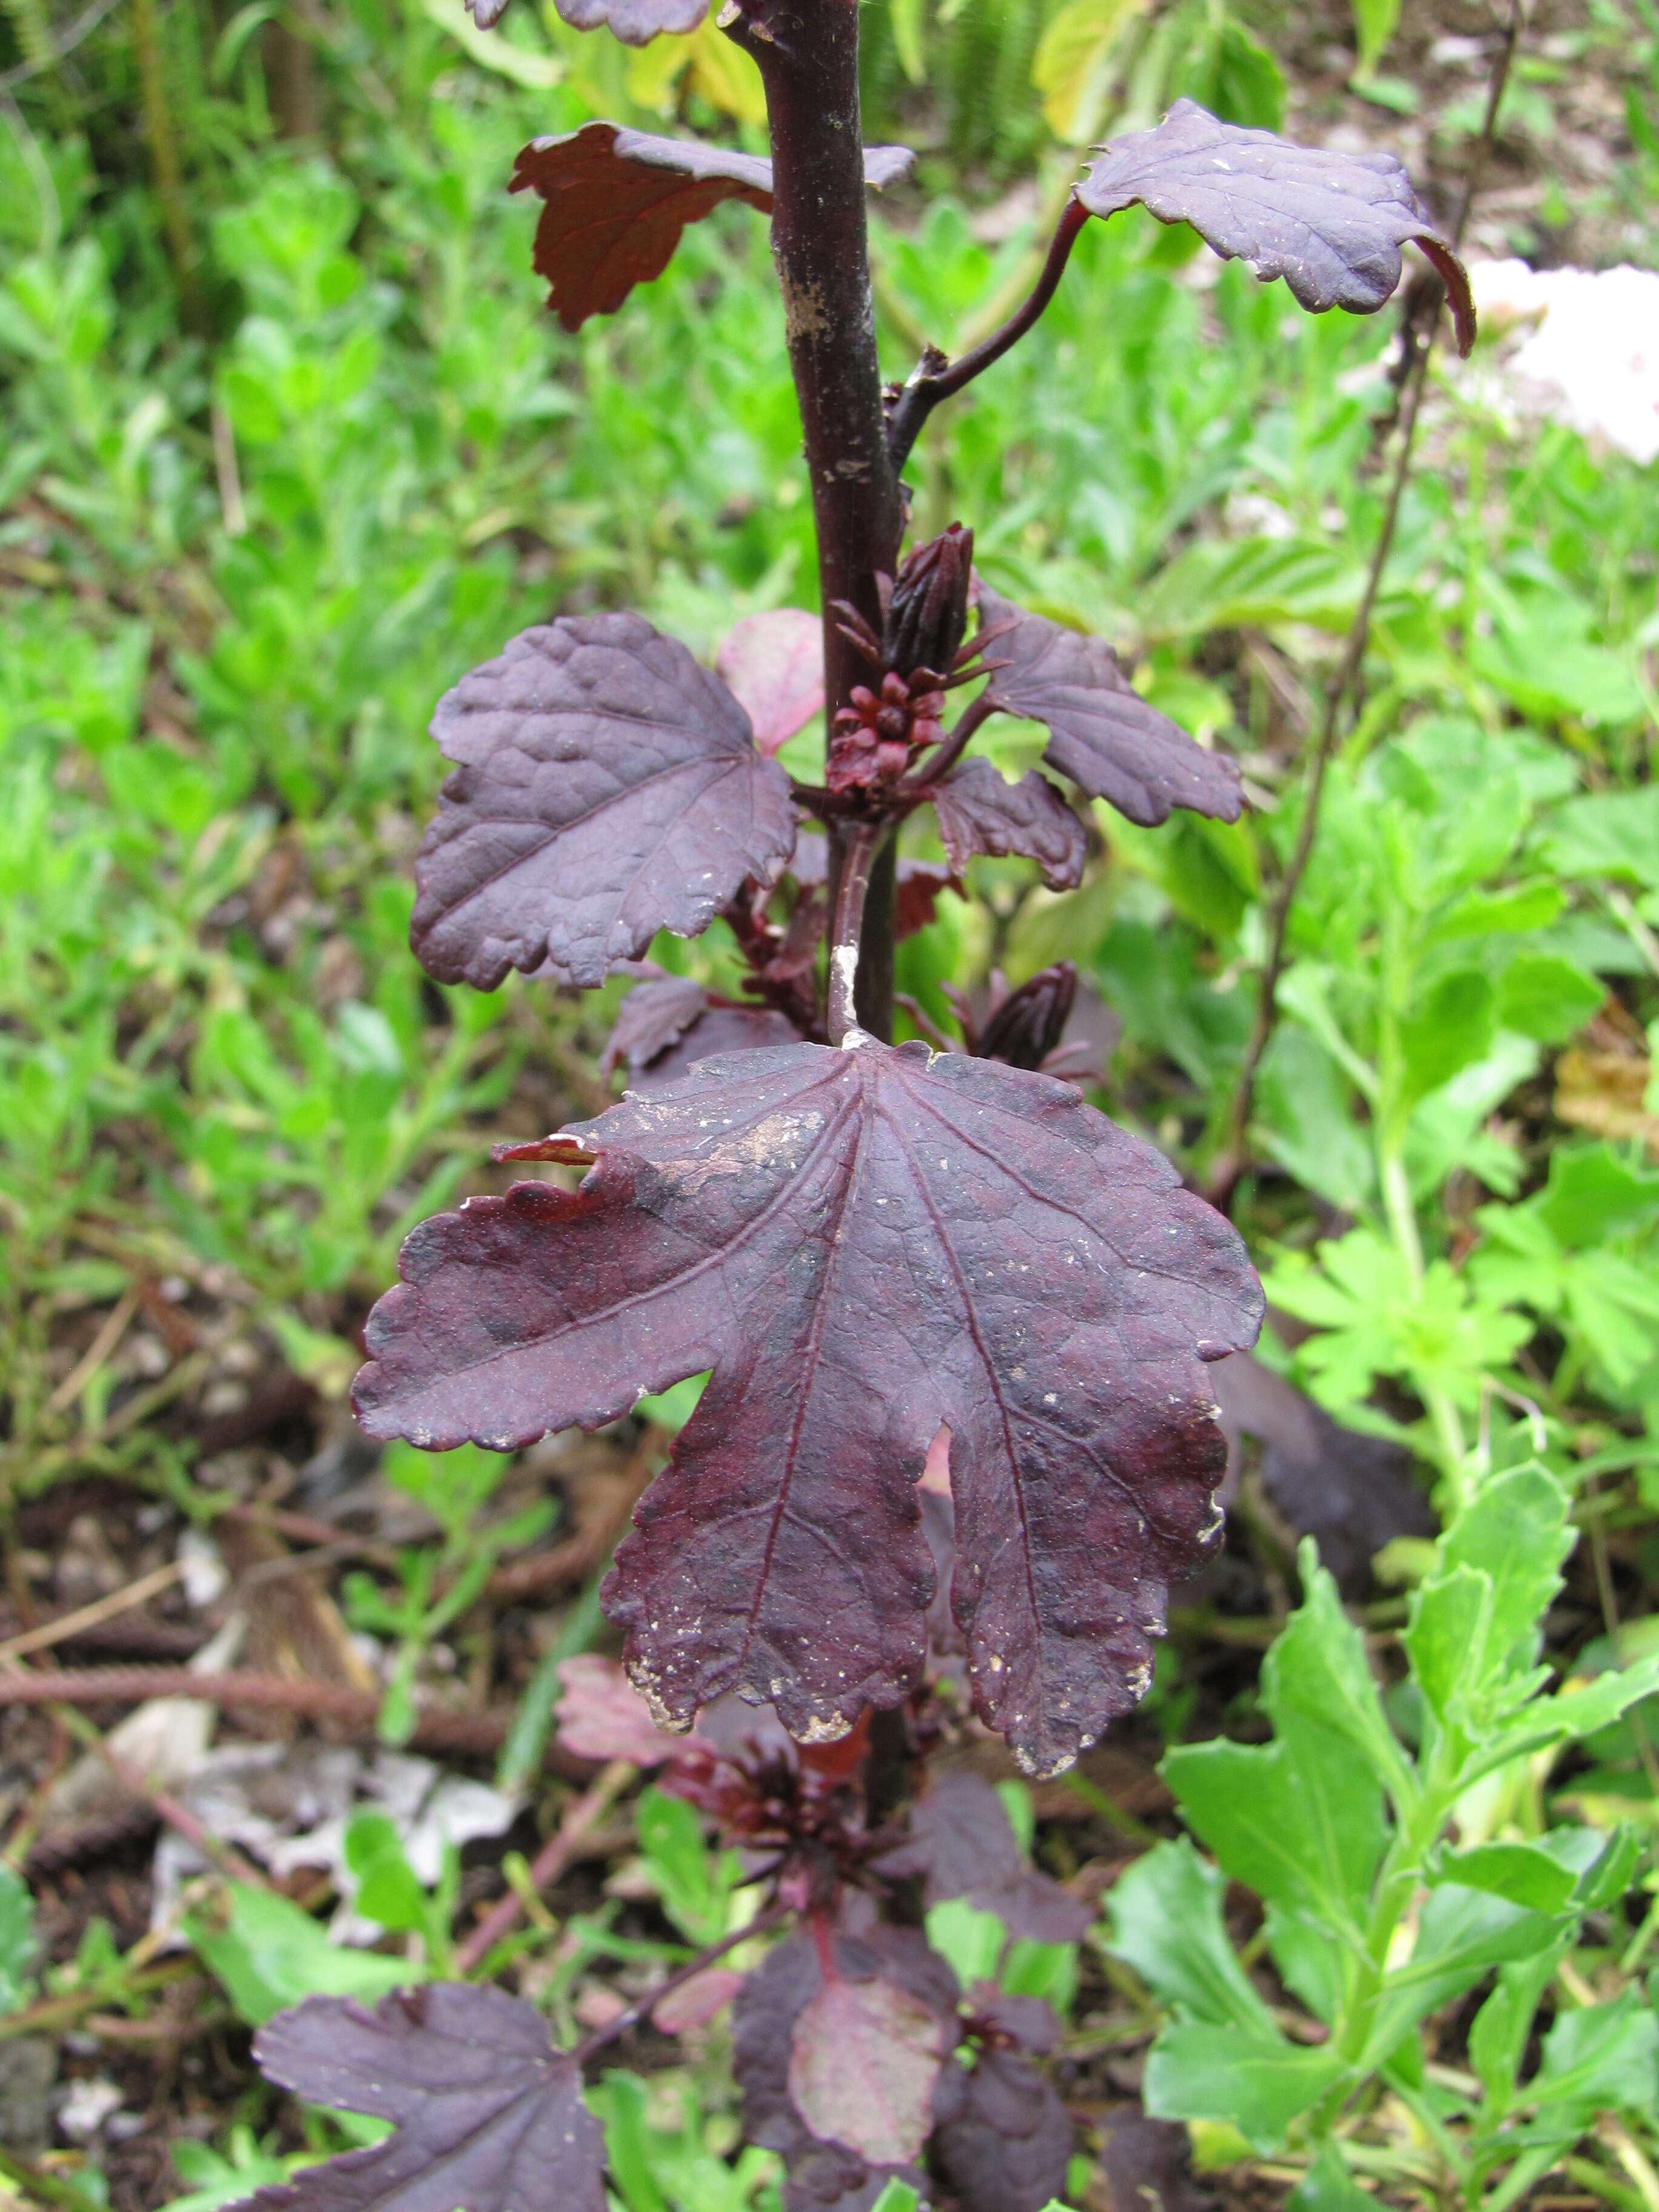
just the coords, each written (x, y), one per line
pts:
(618, 200)
(823, 2172)
(1102, 733)
(635, 22)
(863, 1245)
(608, 787)
(1331, 224)
(487, 2114)
(980, 811)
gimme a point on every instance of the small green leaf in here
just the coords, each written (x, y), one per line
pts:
(1514, 1530)
(1603, 2058)
(1452, 1023)
(1326, 2186)
(1547, 997)
(1166, 1921)
(1520, 1872)
(269, 1955)
(17, 1945)
(1319, 1670)
(1254, 2077)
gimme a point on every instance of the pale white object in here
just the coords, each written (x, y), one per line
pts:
(1590, 358)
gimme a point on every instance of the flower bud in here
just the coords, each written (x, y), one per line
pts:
(927, 614)
(1027, 1026)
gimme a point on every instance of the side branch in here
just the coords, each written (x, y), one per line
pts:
(917, 401)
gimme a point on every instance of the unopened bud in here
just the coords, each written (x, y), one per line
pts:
(927, 614)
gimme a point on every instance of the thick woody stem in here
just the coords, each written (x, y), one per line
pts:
(808, 53)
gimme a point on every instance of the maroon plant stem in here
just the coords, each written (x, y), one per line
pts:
(929, 386)
(807, 51)
(581, 1819)
(1231, 1165)
(642, 2008)
(847, 930)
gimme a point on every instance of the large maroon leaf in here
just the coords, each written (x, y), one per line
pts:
(824, 2172)
(608, 787)
(1331, 224)
(963, 1843)
(864, 1245)
(980, 811)
(1102, 733)
(1007, 2148)
(489, 2117)
(618, 200)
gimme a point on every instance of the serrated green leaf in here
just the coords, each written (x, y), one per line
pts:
(1165, 1913)
(1604, 2057)
(1319, 1670)
(1254, 2077)
(1300, 1820)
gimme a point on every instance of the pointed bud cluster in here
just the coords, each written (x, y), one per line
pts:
(918, 657)
(927, 613)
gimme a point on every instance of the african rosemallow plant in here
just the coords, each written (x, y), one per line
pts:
(884, 1257)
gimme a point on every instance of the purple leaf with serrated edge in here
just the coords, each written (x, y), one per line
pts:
(980, 811)
(608, 787)
(655, 1015)
(618, 200)
(863, 1245)
(1331, 224)
(1102, 733)
(823, 2172)
(774, 663)
(489, 2117)
(1032, 2023)
(1008, 2147)
(963, 1844)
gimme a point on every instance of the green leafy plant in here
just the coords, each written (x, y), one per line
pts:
(1395, 1846)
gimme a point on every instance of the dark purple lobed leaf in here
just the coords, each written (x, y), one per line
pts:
(719, 1030)
(1331, 224)
(1102, 733)
(1008, 2148)
(980, 811)
(618, 200)
(1349, 1491)
(608, 787)
(963, 1844)
(489, 2117)
(864, 1245)
(655, 1015)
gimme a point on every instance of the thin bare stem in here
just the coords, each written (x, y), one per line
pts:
(930, 385)
(581, 1819)
(847, 929)
(1353, 654)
